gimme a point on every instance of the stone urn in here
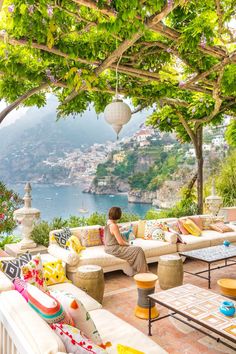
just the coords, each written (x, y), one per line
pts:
(27, 217)
(213, 202)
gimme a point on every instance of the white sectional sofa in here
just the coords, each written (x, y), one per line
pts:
(23, 331)
(152, 248)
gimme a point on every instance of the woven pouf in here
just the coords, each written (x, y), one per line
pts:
(227, 287)
(90, 278)
(146, 285)
(170, 271)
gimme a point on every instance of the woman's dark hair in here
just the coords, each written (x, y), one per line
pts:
(115, 213)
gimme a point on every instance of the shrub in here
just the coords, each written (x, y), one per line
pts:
(4, 240)
(226, 180)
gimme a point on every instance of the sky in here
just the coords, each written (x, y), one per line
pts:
(13, 116)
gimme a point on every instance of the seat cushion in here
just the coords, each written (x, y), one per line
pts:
(217, 238)
(97, 255)
(192, 243)
(153, 248)
(117, 331)
(88, 302)
(5, 283)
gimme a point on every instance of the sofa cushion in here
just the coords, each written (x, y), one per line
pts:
(97, 255)
(153, 248)
(192, 243)
(221, 227)
(62, 236)
(5, 283)
(90, 237)
(88, 302)
(27, 326)
(54, 272)
(217, 238)
(191, 227)
(66, 256)
(117, 331)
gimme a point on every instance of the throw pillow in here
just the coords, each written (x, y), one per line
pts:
(79, 314)
(62, 236)
(90, 237)
(54, 273)
(208, 220)
(221, 227)
(123, 349)
(191, 227)
(154, 230)
(171, 237)
(197, 220)
(21, 286)
(141, 228)
(12, 268)
(32, 272)
(74, 340)
(47, 306)
(102, 234)
(127, 233)
(182, 228)
(73, 244)
(173, 227)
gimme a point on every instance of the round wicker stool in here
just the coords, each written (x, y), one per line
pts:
(90, 278)
(146, 285)
(227, 287)
(170, 271)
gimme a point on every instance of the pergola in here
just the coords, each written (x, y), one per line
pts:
(177, 55)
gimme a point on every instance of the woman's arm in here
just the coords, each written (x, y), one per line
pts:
(116, 232)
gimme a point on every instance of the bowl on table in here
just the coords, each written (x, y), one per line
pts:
(227, 287)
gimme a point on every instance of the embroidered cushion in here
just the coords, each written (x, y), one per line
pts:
(32, 272)
(79, 314)
(208, 220)
(21, 286)
(141, 228)
(90, 237)
(123, 349)
(62, 236)
(73, 244)
(173, 227)
(221, 227)
(191, 227)
(46, 306)
(54, 273)
(74, 340)
(127, 233)
(154, 230)
(197, 220)
(12, 268)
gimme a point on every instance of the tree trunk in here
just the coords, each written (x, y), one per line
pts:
(199, 156)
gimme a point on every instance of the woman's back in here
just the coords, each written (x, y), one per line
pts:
(110, 240)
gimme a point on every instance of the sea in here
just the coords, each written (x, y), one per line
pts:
(64, 201)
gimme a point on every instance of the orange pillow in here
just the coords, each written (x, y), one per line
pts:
(198, 221)
(221, 227)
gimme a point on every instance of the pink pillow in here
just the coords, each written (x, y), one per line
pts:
(198, 221)
(102, 235)
(21, 286)
(221, 227)
(182, 228)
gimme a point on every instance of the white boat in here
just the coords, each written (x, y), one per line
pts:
(111, 195)
(83, 210)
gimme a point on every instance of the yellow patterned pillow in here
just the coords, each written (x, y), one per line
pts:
(74, 244)
(90, 237)
(123, 349)
(191, 227)
(141, 228)
(54, 273)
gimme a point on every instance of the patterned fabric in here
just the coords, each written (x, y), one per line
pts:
(191, 227)
(141, 228)
(47, 307)
(207, 220)
(221, 227)
(197, 220)
(32, 272)
(12, 268)
(74, 340)
(62, 236)
(21, 286)
(182, 228)
(173, 226)
(154, 230)
(54, 273)
(123, 349)
(73, 244)
(90, 237)
(127, 233)
(79, 314)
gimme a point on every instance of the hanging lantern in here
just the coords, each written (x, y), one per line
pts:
(117, 114)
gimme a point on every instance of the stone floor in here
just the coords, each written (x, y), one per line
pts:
(121, 296)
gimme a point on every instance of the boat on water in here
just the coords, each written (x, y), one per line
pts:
(48, 198)
(111, 195)
(83, 210)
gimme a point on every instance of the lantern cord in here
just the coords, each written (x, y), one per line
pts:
(117, 81)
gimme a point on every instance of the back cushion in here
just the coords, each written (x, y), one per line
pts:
(91, 237)
(141, 228)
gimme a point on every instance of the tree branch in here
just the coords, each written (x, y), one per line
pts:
(174, 102)
(186, 126)
(127, 43)
(21, 99)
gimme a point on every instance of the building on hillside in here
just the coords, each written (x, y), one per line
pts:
(119, 157)
(168, 147)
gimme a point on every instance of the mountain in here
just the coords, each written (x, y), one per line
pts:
(36, 135)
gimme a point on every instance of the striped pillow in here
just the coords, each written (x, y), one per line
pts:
(47, 306)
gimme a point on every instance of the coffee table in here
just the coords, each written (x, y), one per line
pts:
(196, 306)
(211, 255)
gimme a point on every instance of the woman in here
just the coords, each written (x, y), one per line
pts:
(115, 244)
